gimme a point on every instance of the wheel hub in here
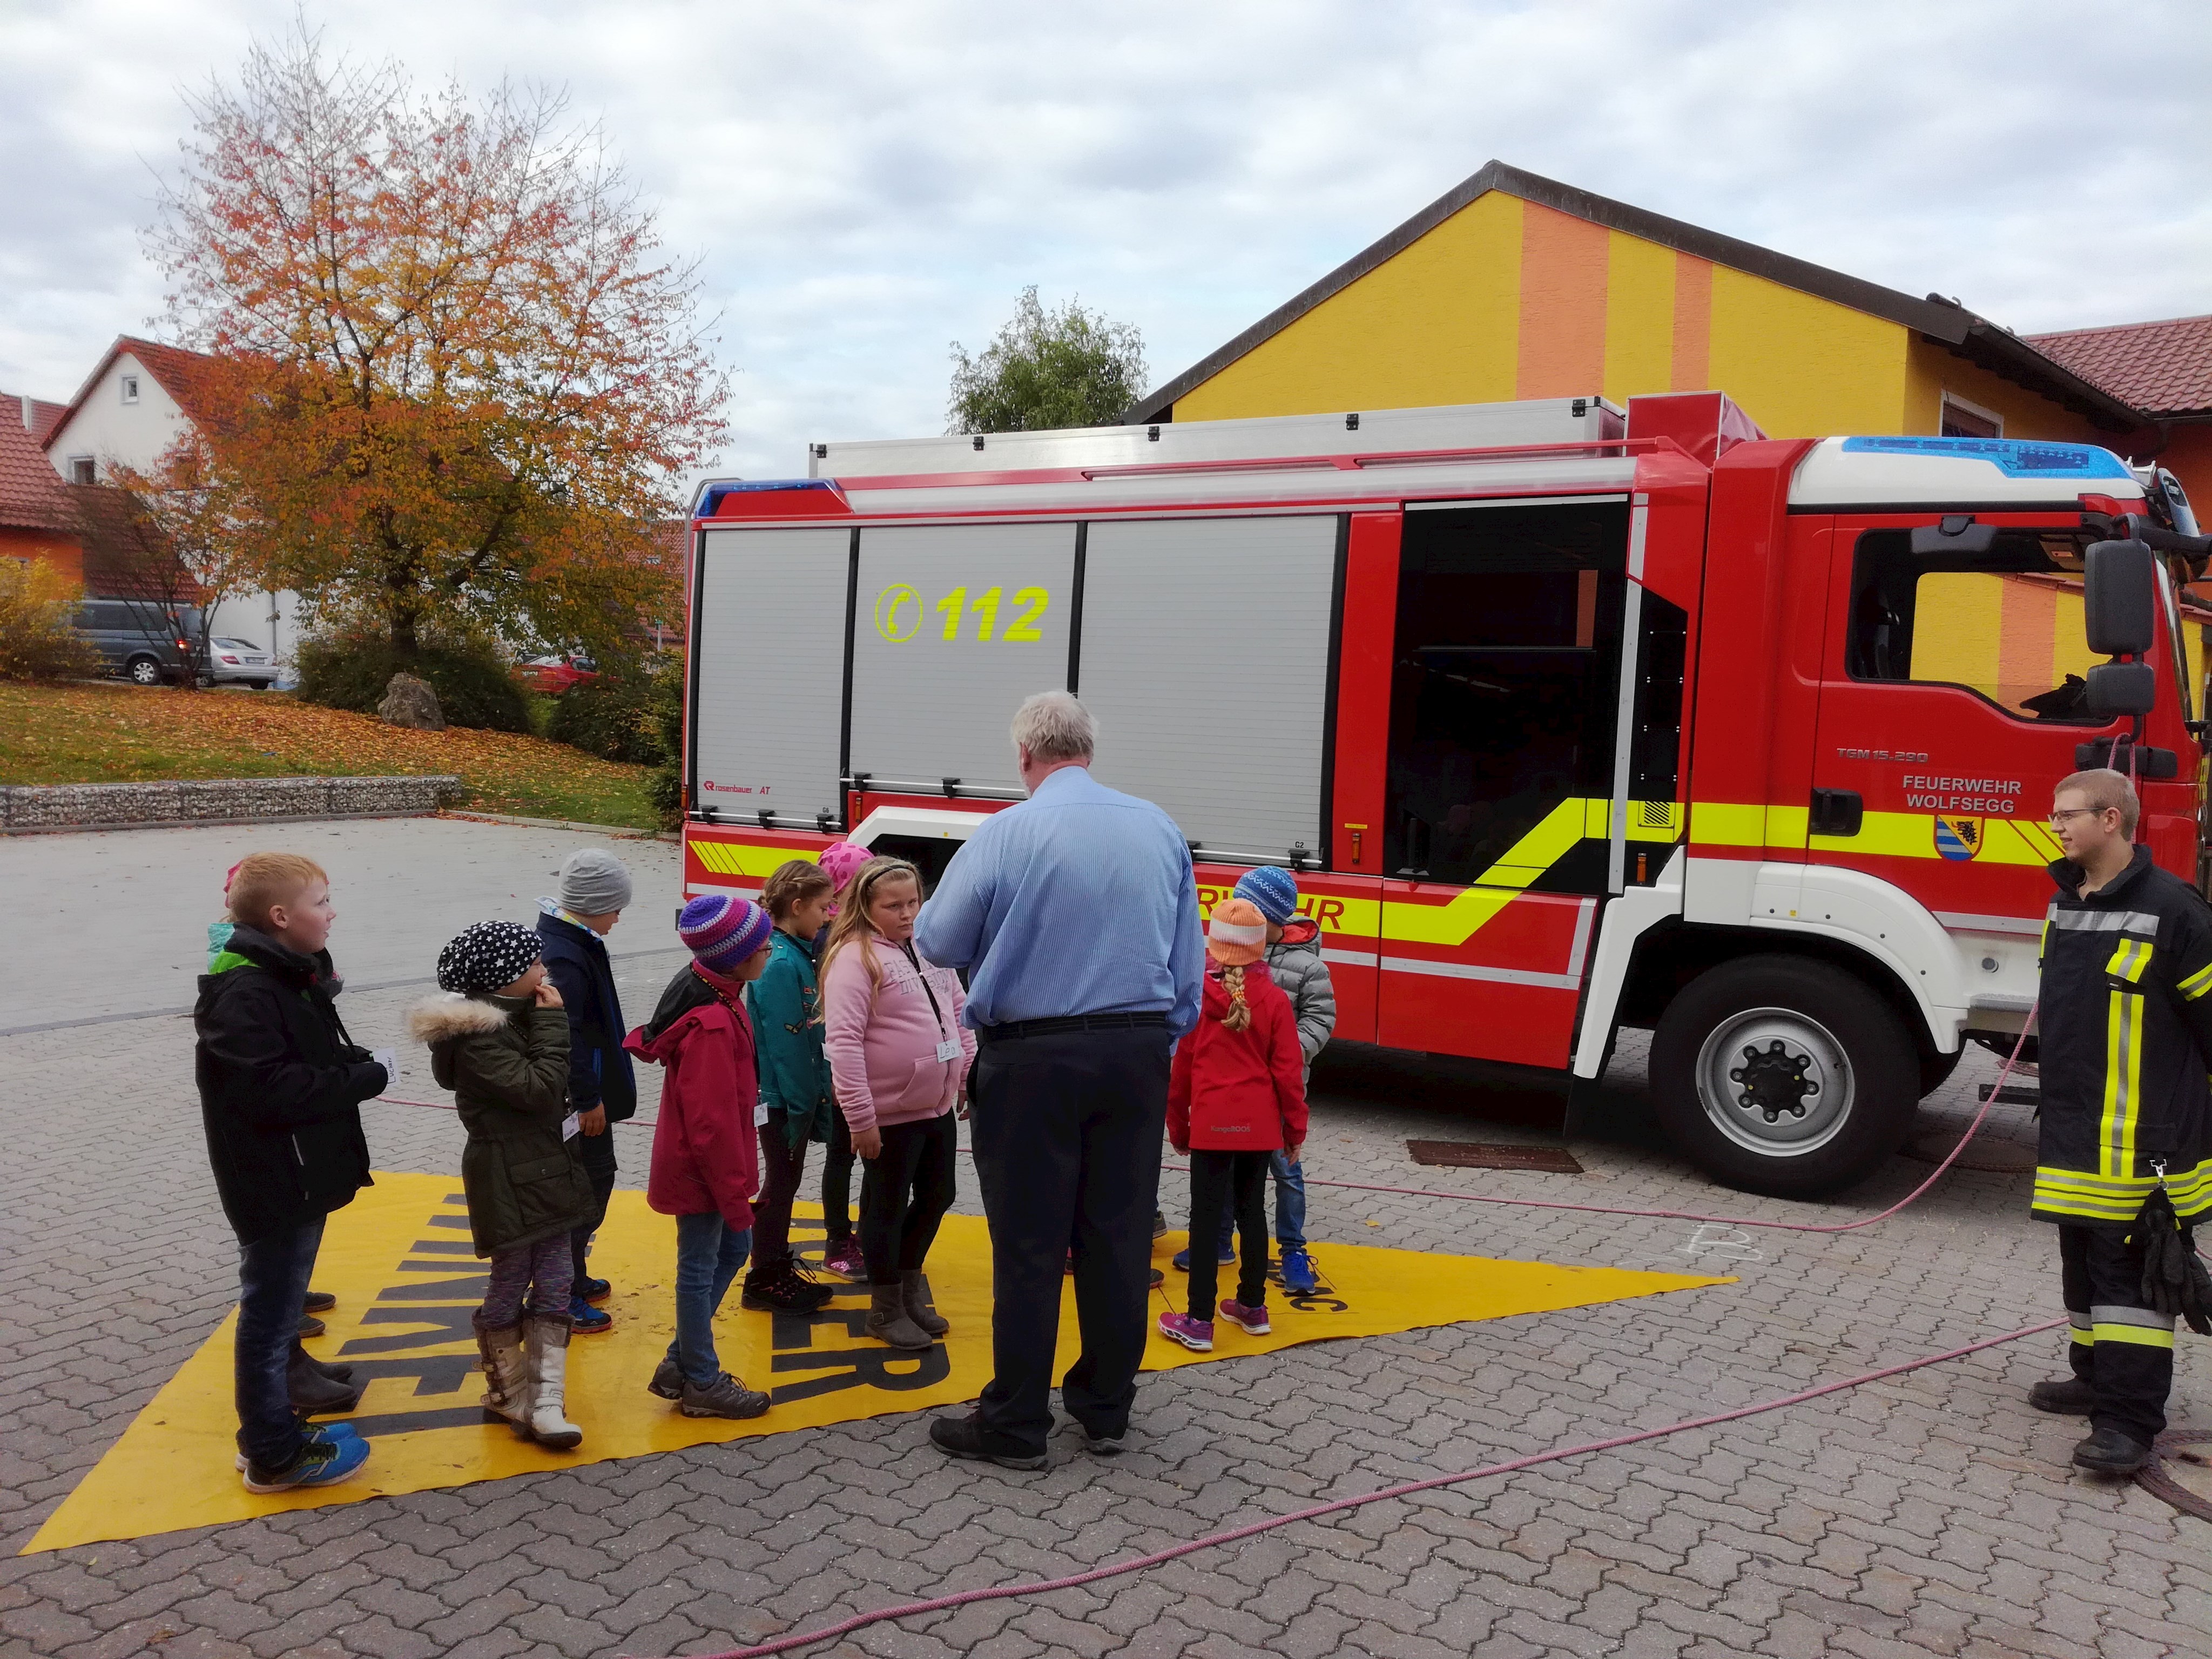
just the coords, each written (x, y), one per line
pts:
(1774, 1081)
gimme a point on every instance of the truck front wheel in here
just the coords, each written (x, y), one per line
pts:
(1784, 1076)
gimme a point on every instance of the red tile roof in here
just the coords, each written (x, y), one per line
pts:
(36, 413)
(2162, 369)
(31, 495)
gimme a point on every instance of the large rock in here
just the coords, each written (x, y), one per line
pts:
(411, 702)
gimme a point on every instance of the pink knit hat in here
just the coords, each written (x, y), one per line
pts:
(840, 858)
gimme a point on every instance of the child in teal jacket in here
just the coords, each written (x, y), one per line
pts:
(796, 1104)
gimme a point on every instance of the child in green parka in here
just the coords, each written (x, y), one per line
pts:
(796, 1104)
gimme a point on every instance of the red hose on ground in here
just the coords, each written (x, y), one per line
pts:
(1234, 1534)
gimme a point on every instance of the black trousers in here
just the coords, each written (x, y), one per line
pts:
(904, 1192)
(837, 1181)
(2122, 1348)
(1235, 1183)
(598, 1152)
(1066, 1129)
(781, 1166)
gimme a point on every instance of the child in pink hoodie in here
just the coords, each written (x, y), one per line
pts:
(898, 1058)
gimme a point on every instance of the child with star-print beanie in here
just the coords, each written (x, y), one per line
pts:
(499, 1040)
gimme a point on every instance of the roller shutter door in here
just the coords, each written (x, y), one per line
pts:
(1204, 659)
(953, 626)
(771, 645)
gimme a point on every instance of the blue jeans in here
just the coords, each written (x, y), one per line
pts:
(273, 1282)
(1290, 1207)
(709, 1256)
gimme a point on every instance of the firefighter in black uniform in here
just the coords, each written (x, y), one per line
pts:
(2126, 1036)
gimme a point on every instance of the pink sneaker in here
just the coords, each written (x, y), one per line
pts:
(844, 1259)
(1191, 1333)
(1251, 1321)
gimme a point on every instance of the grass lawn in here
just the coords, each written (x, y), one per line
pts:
(94, 733)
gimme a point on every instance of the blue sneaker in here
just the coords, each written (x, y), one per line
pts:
(1298, 1272)
(321, 1462)
(1180, 1260)
(585, 1320)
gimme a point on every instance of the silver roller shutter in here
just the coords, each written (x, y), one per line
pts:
(1204, 659)
(771, 644)
(926, 707)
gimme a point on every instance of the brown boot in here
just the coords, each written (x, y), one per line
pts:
(506, 1390)
(888, 1320)
(913, 1292)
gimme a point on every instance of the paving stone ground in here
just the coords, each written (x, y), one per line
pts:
(1932, 1514)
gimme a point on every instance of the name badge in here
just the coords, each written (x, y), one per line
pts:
(571, 1126)
(388, 1059)
(948, 1049)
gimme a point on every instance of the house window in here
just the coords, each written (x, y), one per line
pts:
(129, 388)
(1964, 419)
(81, 469)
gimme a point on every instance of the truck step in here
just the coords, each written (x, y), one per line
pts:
(2013, 1094)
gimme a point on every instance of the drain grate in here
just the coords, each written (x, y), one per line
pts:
(1475, 1155)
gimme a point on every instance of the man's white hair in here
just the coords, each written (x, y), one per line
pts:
(1053, 726)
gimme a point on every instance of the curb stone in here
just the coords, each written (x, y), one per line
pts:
(219, 801)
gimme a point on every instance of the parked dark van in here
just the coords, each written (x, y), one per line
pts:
(142, 639)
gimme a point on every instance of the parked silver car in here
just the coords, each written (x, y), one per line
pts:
(240, 662)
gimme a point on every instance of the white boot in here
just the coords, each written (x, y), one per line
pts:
(546, 1343)
(506, 1390)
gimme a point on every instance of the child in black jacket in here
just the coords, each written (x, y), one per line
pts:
(280, 1085)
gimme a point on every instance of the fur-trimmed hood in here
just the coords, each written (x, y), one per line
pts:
(442, 1018)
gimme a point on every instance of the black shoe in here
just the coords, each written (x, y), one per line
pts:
(311, 1326)
(966, 1436)
(1105, 1445)
(2062, 1396)
(594, 1290)
(314, 1394)
(336, 1373)
(1158, 1278)
(782, 1291)
(2107, 1451)
(318, 1302)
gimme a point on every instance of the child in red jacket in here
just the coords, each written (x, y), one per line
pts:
(706, 1160)
(1236, 1097)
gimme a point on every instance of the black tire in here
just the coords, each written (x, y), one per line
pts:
(1935, 1069)
(1863, 1063)
(143, 670)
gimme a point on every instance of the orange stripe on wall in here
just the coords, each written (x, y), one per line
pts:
(1693, 323)
(1563, 280)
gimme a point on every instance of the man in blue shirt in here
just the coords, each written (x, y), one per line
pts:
(1075, 915)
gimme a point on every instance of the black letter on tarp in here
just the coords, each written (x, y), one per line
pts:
(862, 1366)
(455, 1325)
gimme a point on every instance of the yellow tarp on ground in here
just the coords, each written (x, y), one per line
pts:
(399, 1260)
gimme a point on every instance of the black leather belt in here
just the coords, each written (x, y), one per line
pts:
(1030, 1027)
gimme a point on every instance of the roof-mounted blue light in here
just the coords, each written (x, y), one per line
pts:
(2015, 458)
(711, 495)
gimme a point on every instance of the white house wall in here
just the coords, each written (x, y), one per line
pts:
(110, 430)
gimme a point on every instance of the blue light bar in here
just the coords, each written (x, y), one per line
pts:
(710, 495)
(2015, 458)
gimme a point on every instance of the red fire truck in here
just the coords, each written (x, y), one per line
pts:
(1569, 718)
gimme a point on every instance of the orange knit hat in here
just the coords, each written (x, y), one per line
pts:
(1237, 933)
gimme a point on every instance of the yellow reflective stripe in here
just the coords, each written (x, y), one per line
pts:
(2198, 983)
(1883, 835)
(2116, 1140)
(2128, 960)
(1721, 824)
(2081, 1335)
(738, 857)
(2092, 1197)
(2142, 1335)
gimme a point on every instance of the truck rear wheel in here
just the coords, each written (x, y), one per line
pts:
(1784, 1076)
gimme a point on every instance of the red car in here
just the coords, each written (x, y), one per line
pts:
(554, 674)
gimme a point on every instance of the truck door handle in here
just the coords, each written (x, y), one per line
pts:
(1837, 812)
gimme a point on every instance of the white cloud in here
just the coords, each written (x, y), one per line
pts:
(866, 181)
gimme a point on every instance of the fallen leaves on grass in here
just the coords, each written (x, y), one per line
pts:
(85, 733)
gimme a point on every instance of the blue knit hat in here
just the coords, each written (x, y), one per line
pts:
(722, 932)
(1272, 889)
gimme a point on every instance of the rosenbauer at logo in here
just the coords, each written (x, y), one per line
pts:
(1957, 838)
(710, 787)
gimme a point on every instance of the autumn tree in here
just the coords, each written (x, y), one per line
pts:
(1047, 368)
(453, 382)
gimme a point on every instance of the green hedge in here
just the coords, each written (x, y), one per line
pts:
(475, 686)
(616, 719)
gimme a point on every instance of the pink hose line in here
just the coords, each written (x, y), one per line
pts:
(1236, 1534)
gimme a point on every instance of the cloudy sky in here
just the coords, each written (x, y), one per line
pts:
(868, 181)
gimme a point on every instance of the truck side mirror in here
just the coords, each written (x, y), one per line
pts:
(2119, 598)
(2121, 688)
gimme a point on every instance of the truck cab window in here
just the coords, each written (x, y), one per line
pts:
(2005, 625)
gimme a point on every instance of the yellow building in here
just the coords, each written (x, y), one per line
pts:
(1513, 286)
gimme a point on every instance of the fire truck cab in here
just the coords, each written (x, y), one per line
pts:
(1569, 718)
